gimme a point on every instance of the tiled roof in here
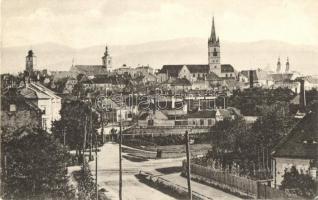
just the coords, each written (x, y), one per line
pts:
(302, 141)
(181, 82)
(171, 70)
(33, 94)
(226, 68)
(104, 79)
(89, 69)
(18, 100)
(198, 68)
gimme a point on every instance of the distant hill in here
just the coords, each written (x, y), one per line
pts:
(263, 54)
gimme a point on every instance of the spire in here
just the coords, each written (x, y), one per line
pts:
(213, 36)
(278, 65)
(287, 65)
(106, 51)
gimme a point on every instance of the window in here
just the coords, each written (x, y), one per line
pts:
(194, 75)
(43, 108)
(215, 67)
(230, 75)
(13, 108)
(215, 53)
(209, 121)
(150, 122)
(201, 122)
(44, 127)
(226, 75)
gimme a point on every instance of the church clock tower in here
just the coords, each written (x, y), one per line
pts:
(30, 61)
(107, 60)
(214, 52)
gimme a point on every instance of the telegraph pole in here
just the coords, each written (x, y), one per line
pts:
(188, 165)
(96, 148)
(90, 129)
(120, 164)
(84, 142)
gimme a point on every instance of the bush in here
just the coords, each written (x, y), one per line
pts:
(298, 183)
(86, 184)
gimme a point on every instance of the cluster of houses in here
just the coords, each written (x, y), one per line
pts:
(35, 97)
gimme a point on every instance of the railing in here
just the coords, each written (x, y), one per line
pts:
(248, 186)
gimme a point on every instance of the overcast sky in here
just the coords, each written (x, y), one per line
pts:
(81, 23)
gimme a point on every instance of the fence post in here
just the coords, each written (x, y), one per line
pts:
(258, 196)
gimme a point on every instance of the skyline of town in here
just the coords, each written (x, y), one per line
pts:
(139, 100)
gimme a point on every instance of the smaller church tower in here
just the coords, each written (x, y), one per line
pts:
(214, 52)
(30, 62)
(107, 60)
(278, 66)
(287, 66)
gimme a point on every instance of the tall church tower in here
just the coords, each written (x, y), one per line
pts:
(214, 52)
(287, 66)
(278, 68)
(30, 61)
(107, 60)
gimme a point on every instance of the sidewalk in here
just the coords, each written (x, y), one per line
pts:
(200, 188)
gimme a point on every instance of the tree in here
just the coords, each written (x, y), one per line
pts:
(249, 100)
(86, 185)
(301, 184)
(230, 140)
(311, 95)
(35, 167)
(76, 117)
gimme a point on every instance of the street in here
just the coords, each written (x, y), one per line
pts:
(108, 176)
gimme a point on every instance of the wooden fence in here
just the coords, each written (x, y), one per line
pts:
(248, 186)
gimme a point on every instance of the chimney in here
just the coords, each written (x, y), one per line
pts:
(251, 78)
(302, 97)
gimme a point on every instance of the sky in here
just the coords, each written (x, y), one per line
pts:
(82, 23)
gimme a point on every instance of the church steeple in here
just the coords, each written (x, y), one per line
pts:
(287, 65)
(214, 53)
(278, 66)
(107, 60)
(213, 39)
(213, 36)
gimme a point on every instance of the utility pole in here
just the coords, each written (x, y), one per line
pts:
(96, 148)
(188, 165)
(90, 129)
(102, 128)
(84, 142)
(120, 164)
